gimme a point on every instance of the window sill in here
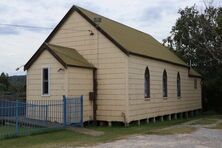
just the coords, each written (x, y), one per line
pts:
(46, 95)
(165, 98)
(147, 99)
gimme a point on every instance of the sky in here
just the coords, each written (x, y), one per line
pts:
(17, 45)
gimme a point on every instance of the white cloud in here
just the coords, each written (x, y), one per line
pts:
(18, 45)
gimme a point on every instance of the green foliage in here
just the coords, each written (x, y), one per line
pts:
(197, 37)
(2, 87)
(17, 84)
(12, 87)
(4, 80)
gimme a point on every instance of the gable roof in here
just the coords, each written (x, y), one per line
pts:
(132, 40)
(127, 39)
(66, 56)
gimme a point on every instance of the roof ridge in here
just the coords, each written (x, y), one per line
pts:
(115, 21)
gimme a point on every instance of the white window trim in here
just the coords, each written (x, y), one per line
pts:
(49, 85)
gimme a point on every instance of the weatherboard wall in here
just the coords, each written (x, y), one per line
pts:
(34, 80)
(71, 82)
(111, 64)
(80, 82)
(156, 105)
(57, 87)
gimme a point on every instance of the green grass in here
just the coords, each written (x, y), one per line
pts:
(207, 119)
(204, 121)
(5, 129)
(174, 130)
(9, 131)
(66, 138)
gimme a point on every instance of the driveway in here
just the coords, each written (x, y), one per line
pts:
(201, 138)
(204, 136)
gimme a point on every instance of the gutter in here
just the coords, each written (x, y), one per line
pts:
(94, 96)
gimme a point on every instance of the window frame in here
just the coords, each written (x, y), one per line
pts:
(164, 84)
(42, 79)
(178, 85)
(147, 83)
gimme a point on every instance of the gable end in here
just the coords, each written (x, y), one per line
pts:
(73, 9)
(39, 52)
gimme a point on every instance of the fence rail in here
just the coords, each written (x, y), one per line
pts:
(19, 118)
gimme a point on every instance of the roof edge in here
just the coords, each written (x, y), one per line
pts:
(86, 67)
(194, 76)
(32, 59)
(197, 75)
(43, 47)
(75, 8)
(51, 35)
(101, 30)
(145, 56)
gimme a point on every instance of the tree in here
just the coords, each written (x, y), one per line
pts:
(197, 37)
(4, 80)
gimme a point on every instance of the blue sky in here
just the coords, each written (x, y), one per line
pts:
(18, 44)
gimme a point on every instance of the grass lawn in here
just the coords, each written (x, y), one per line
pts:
(174, 130)
(65, 138)
(204, 121)
(4, 129)
(10, 131)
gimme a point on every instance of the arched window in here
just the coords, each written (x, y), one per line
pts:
(147, 83)
(178, 85)
(165, 83)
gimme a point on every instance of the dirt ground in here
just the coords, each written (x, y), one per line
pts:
(202, 137)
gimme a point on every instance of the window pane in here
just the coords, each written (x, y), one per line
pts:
(45, 74)
(45, 81)
(147, 83)
(164, 84)
(178, 85)
(45, 88)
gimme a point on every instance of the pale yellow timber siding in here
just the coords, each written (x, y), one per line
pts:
(139, 108)
(111, 64)
(34, 80)
(80, 82)
(34, 86)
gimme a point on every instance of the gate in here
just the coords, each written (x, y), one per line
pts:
(73, 111)
(20, 118)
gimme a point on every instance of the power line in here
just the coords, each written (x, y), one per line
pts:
(25, 26)
(36, 27)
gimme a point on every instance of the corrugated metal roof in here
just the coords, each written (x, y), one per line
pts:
(70, 56)
(129, 40)
(133, 40)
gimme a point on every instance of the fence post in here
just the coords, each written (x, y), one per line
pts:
(17, 118)
(64, 111)
(81, 99)
(46, 113)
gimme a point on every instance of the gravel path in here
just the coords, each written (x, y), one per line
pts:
(202, 138)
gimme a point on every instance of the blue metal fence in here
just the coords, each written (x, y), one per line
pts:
(19, 118)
